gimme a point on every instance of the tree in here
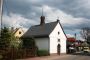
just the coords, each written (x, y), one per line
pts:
(8, 44)
(29, 46)
(5, 38)
(28, 43)
(85, 33)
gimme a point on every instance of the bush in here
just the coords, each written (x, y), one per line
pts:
(27, 48)
(30, 46)
(42, 53)
(28, 43)
(1, 57)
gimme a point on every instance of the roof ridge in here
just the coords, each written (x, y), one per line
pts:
(45, 23)
(37, 30)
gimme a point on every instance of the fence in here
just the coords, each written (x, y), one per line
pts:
(12, 53)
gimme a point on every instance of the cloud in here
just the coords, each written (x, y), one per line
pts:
(16, 20)
(69, 21)
(69, 35)
(75, 8)
(73, 14)
(78, 36)
(51, 14)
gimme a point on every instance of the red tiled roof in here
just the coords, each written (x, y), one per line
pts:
(71, 39)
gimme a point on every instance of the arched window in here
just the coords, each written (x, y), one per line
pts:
(58, 33)
(58, 40)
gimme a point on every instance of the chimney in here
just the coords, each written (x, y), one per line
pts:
(58, 20)
(42, 20)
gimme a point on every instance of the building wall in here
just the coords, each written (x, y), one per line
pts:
(42, 43)
(17, 33)
(56, 34)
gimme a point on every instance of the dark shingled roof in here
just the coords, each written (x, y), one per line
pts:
(40, 30)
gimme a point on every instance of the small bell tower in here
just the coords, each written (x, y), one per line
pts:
(42, 18)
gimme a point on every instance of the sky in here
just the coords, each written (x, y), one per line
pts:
(73, 14)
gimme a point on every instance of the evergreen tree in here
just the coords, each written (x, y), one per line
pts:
(8, 39)
(5, 38)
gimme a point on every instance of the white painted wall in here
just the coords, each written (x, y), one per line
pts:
(42, 43)
(53, 45)
(54, 40)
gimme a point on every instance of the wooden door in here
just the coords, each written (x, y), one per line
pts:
(58, 49)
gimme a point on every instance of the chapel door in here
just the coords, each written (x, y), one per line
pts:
(58, 49)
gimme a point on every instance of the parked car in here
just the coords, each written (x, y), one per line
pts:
(72, 49)
(86, 50)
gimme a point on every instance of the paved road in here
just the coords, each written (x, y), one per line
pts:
(64, 57)
(76, 56)
(73, 57)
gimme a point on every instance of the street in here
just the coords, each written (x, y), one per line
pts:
(73, 57)
(76, 56)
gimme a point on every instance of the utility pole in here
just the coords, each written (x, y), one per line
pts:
(42, 11)
(1, 11)
(75, 36)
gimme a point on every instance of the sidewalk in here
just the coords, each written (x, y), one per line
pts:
(45, 57)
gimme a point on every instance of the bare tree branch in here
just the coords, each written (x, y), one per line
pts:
(85, 33)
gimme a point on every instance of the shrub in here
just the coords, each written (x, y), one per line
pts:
(29, 47)
(42, 53)
(28, 43)
(1, 57)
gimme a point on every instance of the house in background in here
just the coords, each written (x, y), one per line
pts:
(18, 32)
(71, 41)
(74, 44)
(48, 36)
(71, 45)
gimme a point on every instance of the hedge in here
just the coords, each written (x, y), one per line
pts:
(42, 53)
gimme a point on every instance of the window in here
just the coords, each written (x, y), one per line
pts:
(19, 32)
(58, 33)
(58, 40)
